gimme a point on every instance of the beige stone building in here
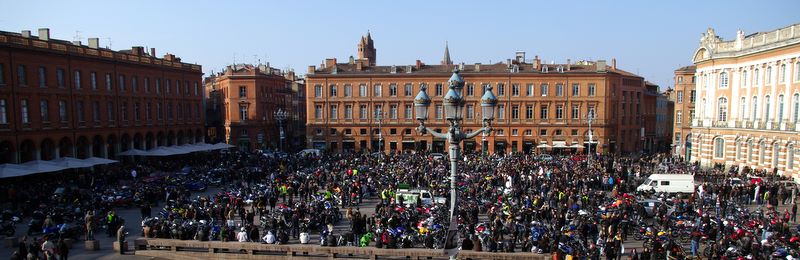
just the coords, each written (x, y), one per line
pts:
(748, 100)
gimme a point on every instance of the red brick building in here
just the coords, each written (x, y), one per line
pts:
(246, 97)
(61, 98)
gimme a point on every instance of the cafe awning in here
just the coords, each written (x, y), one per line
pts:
(560, 144)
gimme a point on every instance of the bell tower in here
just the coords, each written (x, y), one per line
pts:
(366, 49)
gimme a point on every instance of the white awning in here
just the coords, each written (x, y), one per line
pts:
(577, 146)
(8, 170)
(543, 146)
(99, 161)
(43, 166)
(560, 144)
(71, 163)
(593, 141)
(133, 152)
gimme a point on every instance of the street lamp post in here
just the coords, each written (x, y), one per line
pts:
(590, 118)
(280, 116)
(379, 118)
(453, 107)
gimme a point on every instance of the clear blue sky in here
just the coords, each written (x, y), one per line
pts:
(651, 38)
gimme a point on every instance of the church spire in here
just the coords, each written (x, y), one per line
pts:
(446, 60)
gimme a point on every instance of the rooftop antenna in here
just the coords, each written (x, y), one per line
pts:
(77, 36)
(108, 40)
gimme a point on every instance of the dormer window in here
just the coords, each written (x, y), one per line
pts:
(544, 69)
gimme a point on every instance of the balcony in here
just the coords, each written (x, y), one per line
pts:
(762, 125)
(739, 124)
(749, 124)
(776, 125)
(792, 126)
(720, 124)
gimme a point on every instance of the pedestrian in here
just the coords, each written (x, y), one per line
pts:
(89, 224)
(63, 249)
(48, 249)
(121, 238)
(794, 212)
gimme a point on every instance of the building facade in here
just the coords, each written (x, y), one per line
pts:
(542, 106)
(60, 98)
(748, 91)
(243, 100)
(685, 96)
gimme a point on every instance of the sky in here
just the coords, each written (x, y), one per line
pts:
(649, 38)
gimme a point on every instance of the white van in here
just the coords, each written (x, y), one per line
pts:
(410, 197)
(669, 183)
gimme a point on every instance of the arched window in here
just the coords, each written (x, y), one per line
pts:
(755, 108)
(768, 75)
(722, 104)
(797, 71)
(782, 73)
(775, 151)
(796, 105)
(762, 152)
(738, 150)
(742, 108)
(766, 108)
(719, 148)
(723, 80)
(756, 78)
(780, 108)
(750, 150)
(744, 78)
(680, 80)
(790, 157)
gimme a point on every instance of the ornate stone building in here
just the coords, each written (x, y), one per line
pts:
(543, 106)
(748, 94)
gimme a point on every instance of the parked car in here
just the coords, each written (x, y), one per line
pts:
(437, 156)
(652, 205)
(544, 157)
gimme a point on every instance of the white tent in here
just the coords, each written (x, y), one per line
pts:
(8, 170)
(218, 146)
(166, 151)
(43, 166)
(72, 163)
(98, 161)
(133, 152)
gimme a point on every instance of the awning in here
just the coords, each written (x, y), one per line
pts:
(72, 163)
(99, 161)
(543, 146)
(167, 151)
(593, 141)
(576, 146)
(43, 166)
(8, 170)
(133, 152)
(408, 141)
(560, 144)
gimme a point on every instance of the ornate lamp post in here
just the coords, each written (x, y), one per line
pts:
(379, 118)
(280, 116)
(589, 155)
(453, 108)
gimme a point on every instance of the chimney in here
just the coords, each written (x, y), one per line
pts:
(477, 67)
(419, 64)
(614, 63)
(461, 66)
(537, 61)
(170, 57)
(360, 65)
(520, 57)
(137, 50)
(153, 52)
(330, 62)
(600, 66)
(26, 33)
(76, 43)
(94, 43)
(569, 64)
(352, 60)
(44, 34)
(311, 69)
(335, 69)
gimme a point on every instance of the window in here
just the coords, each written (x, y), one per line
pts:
(22, 75)
(348, 111)
(742, 108)
(680, 80)
(111, 112)
(591, 111)
(738, 152)
(796, 105)
(470, 89)
(573, 132)
(755, 108)
(768, 75)
(333, 90)
(722, 105)
(756, 77)
(147, 86)
(529, 112)
(470, 111)
(766, 108)
(333, 131)
(559, 111)
(408, 89)
(680, 96)
(96, 111)
(393, 111)
(242, 92)
(796, 71)
(44, 111)
(576, 111)
(678, 117)
(108, 81)
(692, 96)
(407, 112)
(592, 89)
(744, 78)
(61, 78)
(362, 90)
(750, 150)
(501, 132)
(2, 75)
(558, 132)
(24, 111)
(501, 111)
(543, 89)
(77, 79)
(196, 89)
(334, 112)
(137, 115)
(317, 90)
(515, 90)
(393, 90)
(121, 82)
(158, 85)
(723, 80)
(559, 90)
(542, 131)
(543, 112)
(528, 132)
(529, 90)
(79, 112)
(775, 151)
(348, 90)
(159, 114)
(762, 152)
(363, 131)
(318, 111)
(243, 113)
(378, 113)
(42, 76)
(514, 112)
(378, 90)
(664, 183)
(501, 89)
(514, 132)
(438, 111)
(362, 112)
(93, 80)
(438, 89)
(576, 89)
(3, 111)
(780, 108)
(782, 73)
(62, 111)
(790, 157)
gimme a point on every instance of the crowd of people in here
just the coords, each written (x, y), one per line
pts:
(506, 203)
